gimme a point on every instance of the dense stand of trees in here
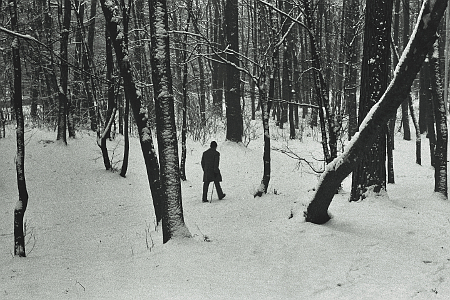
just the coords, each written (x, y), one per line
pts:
(189, 65)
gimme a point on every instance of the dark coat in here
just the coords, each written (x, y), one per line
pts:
(210, 165)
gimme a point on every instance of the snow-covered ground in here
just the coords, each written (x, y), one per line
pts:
(91, 233)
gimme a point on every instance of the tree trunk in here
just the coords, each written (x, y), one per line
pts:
(405, 117)
(62, 110)
(417, 130)
(184, 87)
(265, 115)
(420, 44)
(426, 107)
(233, 83)
(440, 153)
(21, 205)
(371, 169)
(351, 13)
(88, 68)
(113, 18)
(101, 140)
(126, 135)
(173, 220)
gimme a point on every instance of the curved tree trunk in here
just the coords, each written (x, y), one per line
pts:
(420, 44)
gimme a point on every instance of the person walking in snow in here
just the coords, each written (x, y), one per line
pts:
(211, 172)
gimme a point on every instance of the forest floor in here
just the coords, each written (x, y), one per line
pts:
(91, 234)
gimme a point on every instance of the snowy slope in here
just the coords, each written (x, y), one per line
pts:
(94, 235)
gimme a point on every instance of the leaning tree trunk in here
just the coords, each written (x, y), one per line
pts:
(113, 17)
(21, 205)
(173, 220)
(440, 152)
(419, 45)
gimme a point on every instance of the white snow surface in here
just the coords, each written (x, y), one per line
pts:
(90, 229)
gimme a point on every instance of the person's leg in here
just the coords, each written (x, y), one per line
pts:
(220, 193)
(205, 191)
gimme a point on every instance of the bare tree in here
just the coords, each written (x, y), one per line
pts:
(440, 116)
(62, 95)
(21, 205)
(420, 44)
(233, 82)
(351, 44)
(113, 22)
(173, 220)
(371, 168)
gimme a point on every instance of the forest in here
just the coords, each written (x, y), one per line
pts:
(106, 107)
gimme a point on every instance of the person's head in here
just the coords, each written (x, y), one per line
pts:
(213, 145)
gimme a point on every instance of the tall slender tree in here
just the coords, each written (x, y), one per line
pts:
(62, 93)
(21, 205)
(351, 45)
(172, 218)
(440, 116)
(405, 116)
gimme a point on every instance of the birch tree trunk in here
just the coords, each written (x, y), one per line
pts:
(440, 116)
(173, 219)
(420, 44)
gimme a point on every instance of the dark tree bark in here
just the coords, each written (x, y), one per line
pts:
(113, 17)
(440, 153)
(371, 168)
(417, 130)
(405, 117)
(62, 109)
(109, 73)
(420, 44)
(101, 140)
(185, 101)
(126, 140)
(351, 46)
(233, 83)
(173, 220)
(426, 105)
(21, 205)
